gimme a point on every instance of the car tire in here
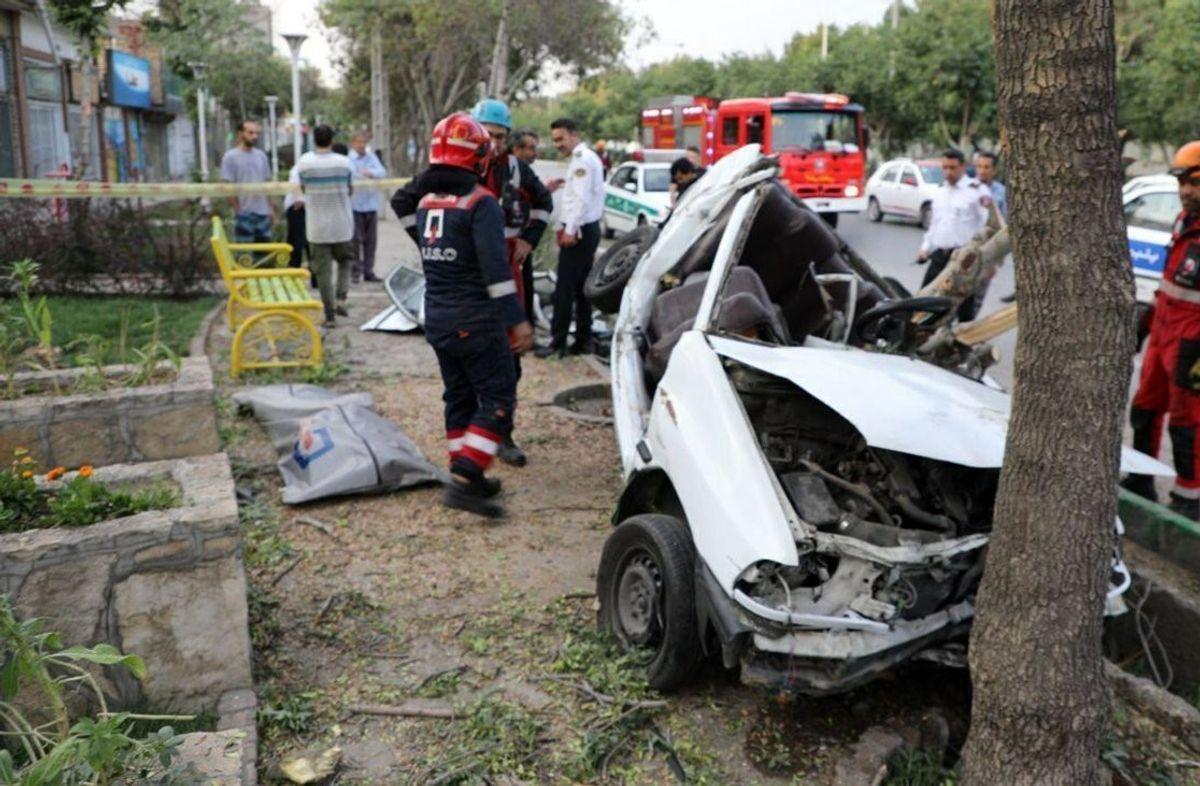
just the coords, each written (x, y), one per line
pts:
(647, 595)
(900, 288)
(926, 215)
(874, 211)
(606, 283)
(831, 219)
(606, 231)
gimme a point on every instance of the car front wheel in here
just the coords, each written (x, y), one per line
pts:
(874, 212)
(606, 283)
(926, 215)
(646, 593)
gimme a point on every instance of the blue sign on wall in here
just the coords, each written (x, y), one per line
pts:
(1147, 257)
(128, 80)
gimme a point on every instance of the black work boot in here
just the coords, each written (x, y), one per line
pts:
(1142, 485)
(1188, 508)
(471, 497)
(511, 454)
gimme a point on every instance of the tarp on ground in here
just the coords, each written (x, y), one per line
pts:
(332, 444)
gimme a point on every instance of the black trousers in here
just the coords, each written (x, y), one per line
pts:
(365, 239)
(295, 234)
(574, 265)
(938, 260)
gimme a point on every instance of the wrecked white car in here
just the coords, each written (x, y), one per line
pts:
(804, 495)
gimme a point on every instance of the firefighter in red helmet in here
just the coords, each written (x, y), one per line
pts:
(473, 317)
(1169, 388)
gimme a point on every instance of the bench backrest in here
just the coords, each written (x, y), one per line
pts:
(220, 245)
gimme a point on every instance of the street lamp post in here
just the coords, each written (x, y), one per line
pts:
(272, 135)
(198, 70)
(294, 41)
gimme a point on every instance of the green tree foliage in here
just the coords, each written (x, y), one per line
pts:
(86, 19)
(438, 52)
(1157, 52)
(242, 66)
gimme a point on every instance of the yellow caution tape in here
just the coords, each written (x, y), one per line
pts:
(87, 189)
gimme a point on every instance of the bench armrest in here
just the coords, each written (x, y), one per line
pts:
(260, 254)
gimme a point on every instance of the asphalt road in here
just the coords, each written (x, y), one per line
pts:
(891, 246)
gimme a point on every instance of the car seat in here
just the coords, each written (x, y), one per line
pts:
(744, 308)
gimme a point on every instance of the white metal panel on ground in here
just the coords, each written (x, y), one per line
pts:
(902, 404)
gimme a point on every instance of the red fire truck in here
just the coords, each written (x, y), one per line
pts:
(819, 137)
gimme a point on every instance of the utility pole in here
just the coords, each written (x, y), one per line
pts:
(198, 73)
(294, 41)
(272, 133)
(498, 75)
(381, 122)
(825, 31)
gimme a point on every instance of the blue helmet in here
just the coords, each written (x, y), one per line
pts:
(492, 110)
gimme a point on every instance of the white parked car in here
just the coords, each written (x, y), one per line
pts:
(804, 495)
(636, 194)
(1151, 207)
(904, 187)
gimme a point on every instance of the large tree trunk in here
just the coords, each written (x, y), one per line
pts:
(1040, 703)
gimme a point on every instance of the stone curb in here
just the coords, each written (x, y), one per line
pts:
(198, 346)
(1160, 529)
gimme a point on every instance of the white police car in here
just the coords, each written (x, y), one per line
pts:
(637, 193)
(1151, 207)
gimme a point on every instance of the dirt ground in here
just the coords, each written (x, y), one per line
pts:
(394, 600)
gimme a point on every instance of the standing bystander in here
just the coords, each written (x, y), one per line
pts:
(325, 178)
(365, 202)
(959, 210)
(578, 238)
(246, 163)
(525, 145)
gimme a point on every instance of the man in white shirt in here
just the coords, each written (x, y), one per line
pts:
(578, 237)
(325, 179)
(959, 210)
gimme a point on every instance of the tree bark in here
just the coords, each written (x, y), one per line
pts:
(1040, 702)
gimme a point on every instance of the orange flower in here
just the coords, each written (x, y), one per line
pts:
(27, 474)
(27, 460)
(55, 473)
(85, 471)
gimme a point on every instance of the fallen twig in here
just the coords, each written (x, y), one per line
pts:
(326, 605)
(579, 594)
(406, 710)
(388, 656)
(317, 525)
(290, 567)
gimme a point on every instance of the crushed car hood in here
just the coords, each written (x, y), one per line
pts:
(903, 404)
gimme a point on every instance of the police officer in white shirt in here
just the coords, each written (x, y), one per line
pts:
(959, 210)
(578, 237)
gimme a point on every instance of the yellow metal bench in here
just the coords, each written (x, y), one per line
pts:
(270, 310)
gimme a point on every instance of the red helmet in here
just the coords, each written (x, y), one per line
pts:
(459, 140)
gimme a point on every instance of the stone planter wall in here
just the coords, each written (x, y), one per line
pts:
(146, 423)
(168, 586)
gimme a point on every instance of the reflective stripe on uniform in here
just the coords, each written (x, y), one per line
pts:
(539, 215)
(511, 232)
(474, 439)
(1173, 290)
(1178, 490)
(502, 289)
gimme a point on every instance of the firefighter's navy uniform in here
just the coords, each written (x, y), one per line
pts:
(1170, 380)
(470, 303)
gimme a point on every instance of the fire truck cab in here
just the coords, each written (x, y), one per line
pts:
(820, 139)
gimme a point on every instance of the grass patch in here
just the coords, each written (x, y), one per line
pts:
(110, 317)
(921, 767)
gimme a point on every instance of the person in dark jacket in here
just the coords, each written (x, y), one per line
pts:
(473, 316)
(527, 206)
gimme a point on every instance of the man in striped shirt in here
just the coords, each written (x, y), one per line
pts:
(325, 178)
